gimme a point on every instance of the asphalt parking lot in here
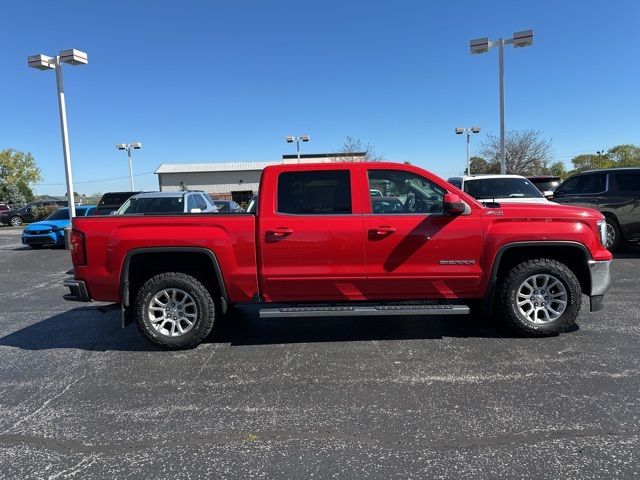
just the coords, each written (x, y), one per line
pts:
(324, 398)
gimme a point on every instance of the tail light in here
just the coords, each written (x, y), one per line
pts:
(78, 253)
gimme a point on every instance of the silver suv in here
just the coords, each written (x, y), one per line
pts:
(193, 201)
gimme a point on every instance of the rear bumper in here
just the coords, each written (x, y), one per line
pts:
(77, 291)
(600, 273)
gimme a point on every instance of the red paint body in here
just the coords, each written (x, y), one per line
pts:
(360, 256)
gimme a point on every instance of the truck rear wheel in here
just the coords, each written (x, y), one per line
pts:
(539, 297)
(174, 310)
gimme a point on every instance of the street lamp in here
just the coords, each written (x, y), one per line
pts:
(43, 62)
(468, 131)
(482, 45)
(291, 139)
(128, 147)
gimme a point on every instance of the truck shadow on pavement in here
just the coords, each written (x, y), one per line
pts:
(87, 328)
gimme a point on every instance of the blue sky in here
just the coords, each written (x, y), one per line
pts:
(213, 81)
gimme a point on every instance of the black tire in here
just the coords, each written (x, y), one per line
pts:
(203, 323)
(613, 228)
(508, 294)
(15, 221)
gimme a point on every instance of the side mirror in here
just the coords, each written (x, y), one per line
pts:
(559, 192)
(113, 212)
(453, 204)
(195, 210)
(548, 194)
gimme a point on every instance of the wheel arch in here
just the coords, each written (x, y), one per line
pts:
(573, 254)
(140, 264)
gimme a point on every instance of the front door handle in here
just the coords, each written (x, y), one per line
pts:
(382, 230)
(279, 232)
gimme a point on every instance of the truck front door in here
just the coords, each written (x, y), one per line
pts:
(413, 249)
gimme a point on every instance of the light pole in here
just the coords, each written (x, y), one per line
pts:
(128, 147)
(468, 131)
(43, 62)
(291, 139)
(482, 45)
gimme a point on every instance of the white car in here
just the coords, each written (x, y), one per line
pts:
(499, 188)
(168, 202)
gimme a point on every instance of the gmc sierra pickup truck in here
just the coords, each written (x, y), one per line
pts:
(321, 244)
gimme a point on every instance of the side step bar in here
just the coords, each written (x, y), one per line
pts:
(363, 311)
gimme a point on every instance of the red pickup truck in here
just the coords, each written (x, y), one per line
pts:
(345, 239)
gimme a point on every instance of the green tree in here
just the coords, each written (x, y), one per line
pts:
(480, 166)
(18, 170)
(619, 156)
(11, 194)
(557, 169)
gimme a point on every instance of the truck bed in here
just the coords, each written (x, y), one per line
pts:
(110, 240)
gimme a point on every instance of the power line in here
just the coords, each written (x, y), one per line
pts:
(97, 181)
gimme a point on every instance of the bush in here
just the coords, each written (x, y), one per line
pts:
(41, 213)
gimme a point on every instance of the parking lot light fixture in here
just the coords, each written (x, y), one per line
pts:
(44, 62)
(297, 139)
(468, 131)
(128, 147)
(483, 45)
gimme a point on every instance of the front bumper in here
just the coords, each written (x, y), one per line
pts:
(600, 273)
(51, 238)
(77, 291)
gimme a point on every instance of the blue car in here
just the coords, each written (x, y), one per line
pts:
(51, 230)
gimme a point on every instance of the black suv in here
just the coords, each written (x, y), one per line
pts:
(112, 201)
(18, 216)
(613, 191)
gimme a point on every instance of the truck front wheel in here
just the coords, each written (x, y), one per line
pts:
(539, 297)
(174, 310)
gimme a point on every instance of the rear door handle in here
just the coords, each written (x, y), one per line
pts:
(279, 232)
(382, 230)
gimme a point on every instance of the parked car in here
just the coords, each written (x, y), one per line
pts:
(228, 206)
(17, 217)
(112, 201)
(51, 230)
(616, 193)
(318, 248)
(499, 188)
(168, 202)
(546, 184)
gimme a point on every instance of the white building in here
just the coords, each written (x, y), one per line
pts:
(237, 181)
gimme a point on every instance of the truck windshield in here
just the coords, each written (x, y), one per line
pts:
(489, 188)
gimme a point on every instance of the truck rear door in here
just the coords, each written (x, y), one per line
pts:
(311, 236)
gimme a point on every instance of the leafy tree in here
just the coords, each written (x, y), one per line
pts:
(526, 153)
(352, 146)
(11, 193)
(557, 169)
(18, 170)
(618, 156)
(480, 166)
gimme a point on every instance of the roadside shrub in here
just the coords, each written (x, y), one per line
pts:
(40, 213)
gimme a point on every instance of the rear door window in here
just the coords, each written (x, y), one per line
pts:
(326, 192)
(628, 182)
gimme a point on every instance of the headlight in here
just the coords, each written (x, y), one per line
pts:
(602, 232)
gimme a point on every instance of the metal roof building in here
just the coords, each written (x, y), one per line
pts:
(236, 181)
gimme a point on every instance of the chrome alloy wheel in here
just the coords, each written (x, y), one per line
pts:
(172, 312)
(542, 298)
(611, 235)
